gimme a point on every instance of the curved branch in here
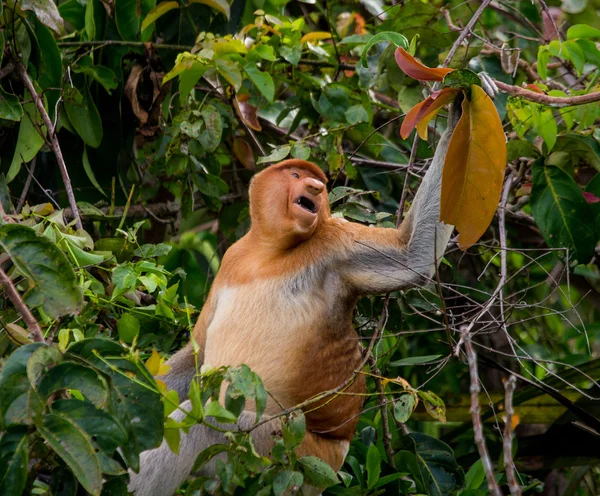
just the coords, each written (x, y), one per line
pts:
(551, 101)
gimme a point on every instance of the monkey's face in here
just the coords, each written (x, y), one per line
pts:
(288, 201)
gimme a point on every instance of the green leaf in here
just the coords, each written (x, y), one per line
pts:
(73, 12)
(127, 17)
(40, 361)
(373, 465)
(90, 24)
(219, 5)
(317, 473)
(396, 38)
(210, 185)
(14, 458)
(230, 71)
(582, 31)
(71, 375)
(128, 327)
(84, 116)
(561, 212)
(276, 156)
(356, 114)
(433, 404)
(102, 75)
(545, 125)
(90, 172)
(157, 12)
(404, 406)
(29, 140)
(264, 52)
(207, 455)
(580, 149)
(46, 12)
(262, 81)
(214, 409)
(287, 482)
(293, 430)
(244, 382)
(414, 360)
(14, 383)
(52, 282)
(102, 428)
(10, 106)
(75, 448)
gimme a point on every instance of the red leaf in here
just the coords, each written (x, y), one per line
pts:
(591, 197)
(413, 68)
(423, 112)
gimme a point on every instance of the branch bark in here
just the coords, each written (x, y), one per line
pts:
(509, 466)
(35, 331)
(53, 140)
(551, 101)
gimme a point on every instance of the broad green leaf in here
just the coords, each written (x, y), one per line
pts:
(265, 52)
(90, 24)
(90, 172)
(47, 13)
(75, 448)
(14, 383)
(132, 395)
(473, 169)
(221, 6)
(71, 375)
(96, 423)
(389, 36)
(73, 12)
(10, 106)
(433, 404)
(561, 212)
(127, 17)
(248, 384)
(128, 327)
(582, 31)
(40, 361)
(50, 65)
(262, 80)
(317, 473)
(543, 57)
(14, 459)
(85, 118)
(276, 156)
(207, 455)
(356, 114)
(214, 409)
(545, 125)
(580, 149)
(210, 185)
(414, 69)
(287, 483)
(373, 465)
(52, 282)
(102, 75)
(404, 406)
(293, 430)
(29, 140)
(161, 9)
(414, 360)
(231, 72)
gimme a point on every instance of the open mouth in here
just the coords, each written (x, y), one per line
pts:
(307, 204)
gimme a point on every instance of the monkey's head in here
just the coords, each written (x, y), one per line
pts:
(288, 201)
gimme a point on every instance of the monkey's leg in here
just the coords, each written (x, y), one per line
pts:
(162, 471)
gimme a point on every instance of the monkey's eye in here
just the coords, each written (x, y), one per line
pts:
(296, 175)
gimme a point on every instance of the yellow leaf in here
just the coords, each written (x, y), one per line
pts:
(221, 5)
(161, 9)
(164, 368)
(315, 36)
(474, 169)
(162, 386)
(229, 46)
(153, 363)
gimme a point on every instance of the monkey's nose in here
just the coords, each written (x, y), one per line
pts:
(314, 186)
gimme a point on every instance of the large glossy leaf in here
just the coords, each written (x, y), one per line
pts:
(161, 9)
(474, 169)
(389, 36)
(221, 6)
(131, 396)
(14, 457)
(420, 115)
(84, 116)
(52, 282)
(413, 68)
(127, 17)
(14, 384)
(75, 447)
(29, 140)
(10, 106)
(71, 375)
(262, 80)
(561, 212)
(317, 473)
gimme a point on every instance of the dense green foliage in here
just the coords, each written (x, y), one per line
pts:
(163, 110)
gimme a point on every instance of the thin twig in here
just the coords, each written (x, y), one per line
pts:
(35, 331)
(383, 406)
(475, 414)
(53, 141)
(23, 196)
(133, 44)
(509, 388)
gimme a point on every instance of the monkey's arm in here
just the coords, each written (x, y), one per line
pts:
(380, 260)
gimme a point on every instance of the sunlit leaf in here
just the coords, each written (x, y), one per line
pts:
(391, 37)
(315, 36)
(47, 12)
(413, 68)
(219, 5)
(474, 169)
(161, 9)
(262, 80)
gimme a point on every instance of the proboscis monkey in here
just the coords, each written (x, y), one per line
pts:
(282, 303)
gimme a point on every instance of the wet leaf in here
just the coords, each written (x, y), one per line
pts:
(474, 169)
(413, 68)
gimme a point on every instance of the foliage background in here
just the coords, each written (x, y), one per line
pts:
(162, 111)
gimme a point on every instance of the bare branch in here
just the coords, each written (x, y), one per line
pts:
(509, 388)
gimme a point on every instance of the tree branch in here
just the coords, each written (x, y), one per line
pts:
(35, 331)
(509, 467)
(551, 101)
(132, 44)
(53, 140)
